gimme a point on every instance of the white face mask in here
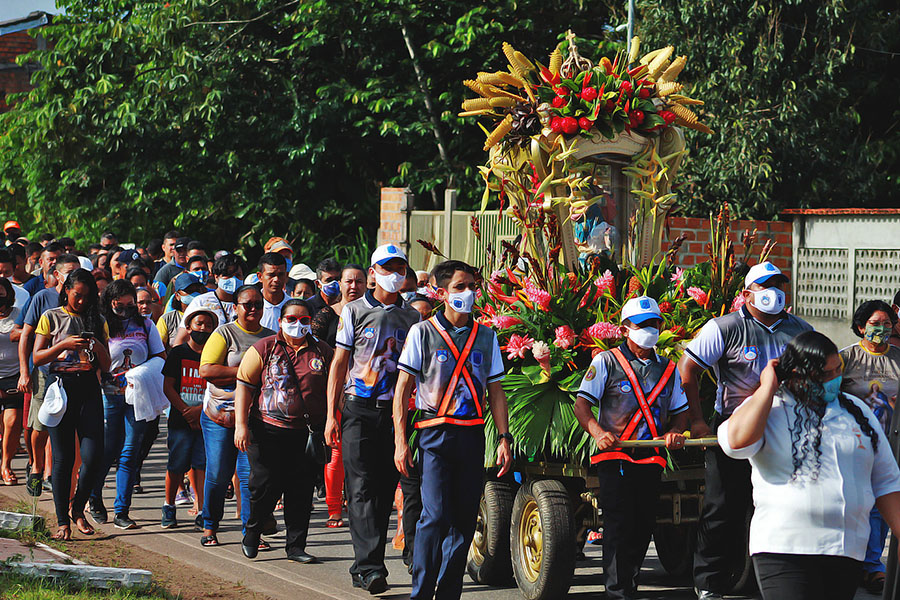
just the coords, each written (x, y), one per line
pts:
(769, 301)
(461, 302)
(645, 337)
(391, 283)
(228, 284)
(295, 329)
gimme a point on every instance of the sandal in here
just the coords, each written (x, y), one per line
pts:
(209, 540)
(82, 525)
(334, 522)
(63, 534)
(9, 478)
(873, 582)
(264, 546)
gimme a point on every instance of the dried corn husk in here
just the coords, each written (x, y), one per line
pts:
(489, 78)
(684, 113)
(670, 87)
(510, 54)
(672, 72)
(493, 91)
(648, 58)
(503, 102)
(697, 126)
(635, 49)
(524, 63)
(475, 87)
(685, 100)
(555, 61)
(510, 79)
(477, 104)
(473, 113)
(499, 132)
(660, 63)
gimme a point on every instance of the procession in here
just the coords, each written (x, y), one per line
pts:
(563, 375)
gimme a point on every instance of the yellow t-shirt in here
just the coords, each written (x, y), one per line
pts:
(59, 324)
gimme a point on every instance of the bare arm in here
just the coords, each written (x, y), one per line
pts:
(500, 414)
(243, 396)
(15, 334)
(181, 337)
(402, 455)
(889, 507)
(747, 424)
(26, 341)
(604, 439)
(337, 375)
(45, 353)
(690, 373)
(100, 349)
(219, 375)
(172, 394)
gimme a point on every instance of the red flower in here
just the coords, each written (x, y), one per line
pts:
(699, 296)
(565, 337)
(666, 307)
(638, 116)
(585, 123)
(561, 90)
(556, 124)
(569, 125)
(668, 116)
(505, 321)
(517, 346)
(626, 87)
(589, 94)
(643, 93)
(559, 102)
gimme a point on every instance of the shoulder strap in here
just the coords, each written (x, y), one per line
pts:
(643, 402)
(460, 369)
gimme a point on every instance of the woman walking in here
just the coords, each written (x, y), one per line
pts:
(11, 399)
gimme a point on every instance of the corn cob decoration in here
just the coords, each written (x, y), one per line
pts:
(555, 61)
(499, 132)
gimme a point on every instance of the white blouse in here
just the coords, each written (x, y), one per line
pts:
(828, 516)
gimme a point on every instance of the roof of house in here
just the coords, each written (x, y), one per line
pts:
(35, 19)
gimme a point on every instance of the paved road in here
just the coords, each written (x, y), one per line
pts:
(271, 574)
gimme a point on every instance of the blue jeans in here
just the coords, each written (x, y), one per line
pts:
(875, 547)
(221, 459)
(122, 440)
(186, 451)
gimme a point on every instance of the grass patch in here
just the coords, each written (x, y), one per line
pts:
(18, 587)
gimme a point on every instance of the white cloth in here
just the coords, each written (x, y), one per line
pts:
(145, 390)
(53, 409)
(829, 516)
(272, 312)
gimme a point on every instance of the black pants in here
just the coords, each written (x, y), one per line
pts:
(147, 442)
(628, 498)
(84, 416)
(370, 479)
(802, 577)
(722, 531)
(412, 504)
(279, 467)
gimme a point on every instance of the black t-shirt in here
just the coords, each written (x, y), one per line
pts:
(183, 365)
(316, 303)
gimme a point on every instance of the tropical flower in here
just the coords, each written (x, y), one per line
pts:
(678, 275)
(699, 296)
(539, 297)
(738, 303)
(506, 321)
(601, 331)
(541, 353)
(517, 346)
(606, 283)
(565, 337)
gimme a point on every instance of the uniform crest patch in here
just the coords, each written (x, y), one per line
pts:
(476, 357)
(442, 356)
(625, 387)
(750, 353)
(591, 373)
(316, 364)
(369, 333)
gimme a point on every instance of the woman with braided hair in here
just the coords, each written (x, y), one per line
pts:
(820, 462)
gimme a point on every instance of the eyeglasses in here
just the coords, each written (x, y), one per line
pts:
(292, 319)
(248, 306)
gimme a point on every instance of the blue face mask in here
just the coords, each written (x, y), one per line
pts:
(831, 389)
(332, 289)
(230, 285)
(290, 263)
(201, 276)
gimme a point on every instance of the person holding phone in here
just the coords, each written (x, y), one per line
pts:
(72, 340)
(819, 462)
(11, 399)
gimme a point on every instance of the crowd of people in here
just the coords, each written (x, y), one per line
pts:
(280, 383)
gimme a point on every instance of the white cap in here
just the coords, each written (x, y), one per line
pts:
(761, 273)
(251, 279)
(194, 308)
(637, 310)
(386, 252)
(301, 271)
(85, 263)
(54, 406)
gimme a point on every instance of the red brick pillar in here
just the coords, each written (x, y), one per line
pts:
(396, 203)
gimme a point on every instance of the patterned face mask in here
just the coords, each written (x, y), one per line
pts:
(877, 334)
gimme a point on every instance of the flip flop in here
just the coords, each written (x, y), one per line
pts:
(9, 478)
(63, 534)
(209, 540)
(334, 523)
(82, 525)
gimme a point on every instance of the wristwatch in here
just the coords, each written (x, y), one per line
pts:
(505, 436)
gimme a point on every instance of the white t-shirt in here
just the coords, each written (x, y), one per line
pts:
(828, 516)
(272, 312)
(22, 296)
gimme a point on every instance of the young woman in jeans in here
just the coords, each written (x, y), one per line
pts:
(11, 399)
(820, 461)
(219, 366)
(72, 340)
(133, 340)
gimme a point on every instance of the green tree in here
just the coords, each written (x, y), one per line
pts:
(803, 95)
(239, 119)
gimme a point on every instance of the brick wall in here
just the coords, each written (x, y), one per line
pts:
(693, 251)
(18, 80)
(395, 203)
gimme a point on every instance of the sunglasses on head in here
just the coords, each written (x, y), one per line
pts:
(306, 320)
(251, 305)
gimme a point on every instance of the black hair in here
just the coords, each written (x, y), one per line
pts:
(296, 302)
(54, 247)
(443, 273)
(800, 371)
(865, 311)
(132, 272)
(6, 284)
(109, 235)
(329, 265)
(68, 259)
(32, 247)
(171, 235)
(142, 264)
(308, 282)
(411, 274)
(226, 263)
(353, 267)
(66, 241)
(116, 289)
(420, 298)
(17, 251)
(272, 258)
(7, 257)
(243, 289)
(154, 246)
(91, 315)
(196, 258)
(47, 237)
(196, 245)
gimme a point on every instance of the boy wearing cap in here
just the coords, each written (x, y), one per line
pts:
(184, 388)
(639, 397)
(456, 365)
(737, 348)
(370, 334)
(178, 263)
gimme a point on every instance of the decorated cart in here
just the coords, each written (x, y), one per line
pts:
(583, 156)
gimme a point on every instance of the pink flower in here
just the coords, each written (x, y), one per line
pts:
(496, 275)
(601, 331)
(517, 346)
(699, 296)
(541, 353)
(738, 303)
(678, 275)
(431, 293)
(606, 283)
(506, 321)
(539, 297)
(565, 337)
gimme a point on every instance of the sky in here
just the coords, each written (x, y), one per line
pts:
(13, 9)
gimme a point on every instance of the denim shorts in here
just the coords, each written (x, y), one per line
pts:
(186, 450)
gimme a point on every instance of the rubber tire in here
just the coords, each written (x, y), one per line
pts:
(675, 547)
(496, 510)
(558, 547)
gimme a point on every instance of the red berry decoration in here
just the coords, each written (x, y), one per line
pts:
(625, 86)
(643, 93)
(561, 90)
(556, 124)
(569, 125)
(666, 307)
(585, 123)
(668, 116)
(589, 94)
(610, 105)
(559, 102)
(637, 116)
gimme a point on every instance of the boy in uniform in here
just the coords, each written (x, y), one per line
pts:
(639, 397)
(455, 364)
(361, 381)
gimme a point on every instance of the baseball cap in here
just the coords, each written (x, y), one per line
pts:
(54, 406)
(126, 256)
(302, 271)
(85, 263)
(11, 225)
(640, 309)
(182, 242)
(386, 252)
(761, 273)
(195, 308)
(184, 281)
(277, 244)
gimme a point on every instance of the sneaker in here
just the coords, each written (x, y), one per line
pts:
(98, 512)
(168, 517)
(48, 487)
(182, 498)
(33, 485)
(138, 489)
(123, 521)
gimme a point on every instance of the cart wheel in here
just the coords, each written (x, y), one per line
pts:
(542, 538)
(675, 547)
(489, 561)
